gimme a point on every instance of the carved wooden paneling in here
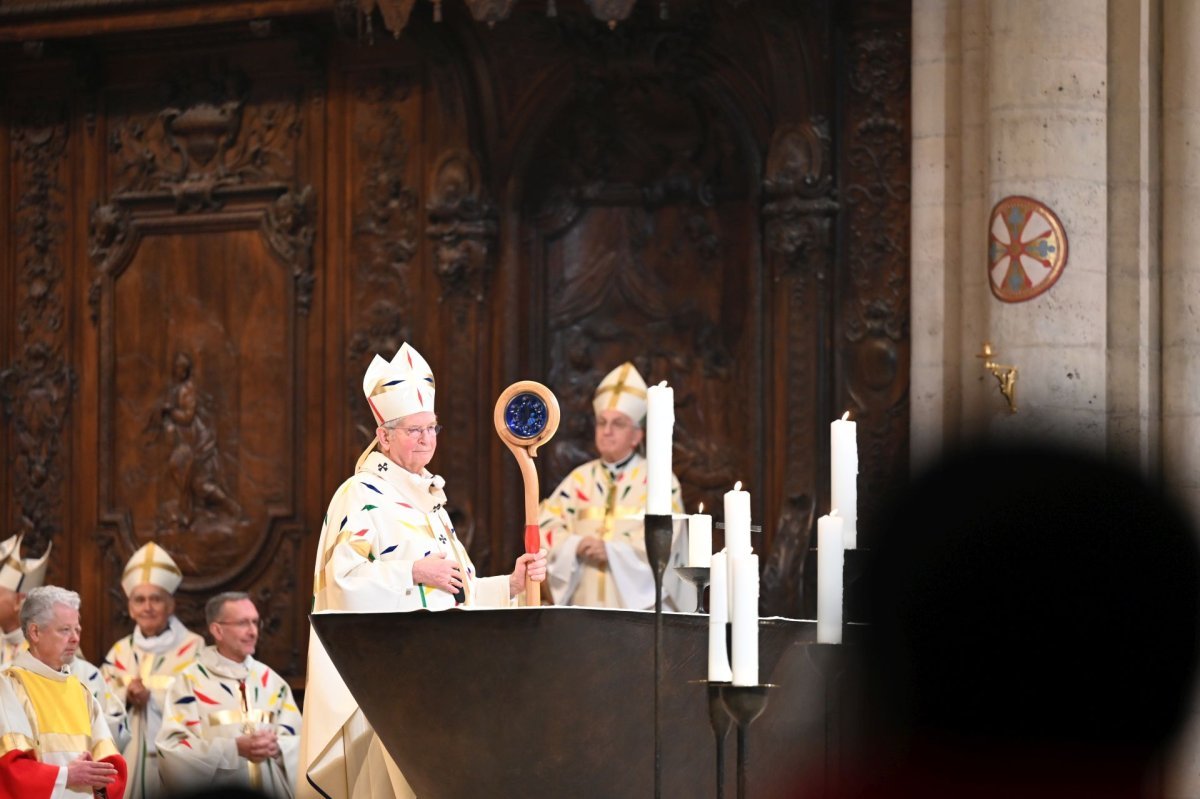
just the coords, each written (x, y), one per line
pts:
(204, 277)
(37, 384)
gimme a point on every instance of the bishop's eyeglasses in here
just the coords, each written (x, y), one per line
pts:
(416, 432)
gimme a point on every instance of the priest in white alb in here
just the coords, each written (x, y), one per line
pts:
(55, 743)
(387, 544)
(593, 522)
(230, 720)
(142, 666)
(19, 576)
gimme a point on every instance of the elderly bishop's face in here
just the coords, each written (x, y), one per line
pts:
(411, 442)
(616, 435)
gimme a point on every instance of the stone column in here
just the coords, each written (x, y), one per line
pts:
(1134, 245)
(1181, 251)
(1047, 113)
(936, 242)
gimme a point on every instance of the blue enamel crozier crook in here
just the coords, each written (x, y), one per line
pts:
(527, 417)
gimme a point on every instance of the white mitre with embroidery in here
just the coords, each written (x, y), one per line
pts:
(21, 575)
(151, 564)
(624, 390)
(399, 387)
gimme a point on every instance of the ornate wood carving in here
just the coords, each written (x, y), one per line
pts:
(876, 191)
(799, 213)
(204, 265)
(462, 226)
(386, 233)
(37, 389)
(462, 229)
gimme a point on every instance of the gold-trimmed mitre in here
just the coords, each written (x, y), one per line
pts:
(23, 575)
(399, 387)
(624, 390)
(151, 564)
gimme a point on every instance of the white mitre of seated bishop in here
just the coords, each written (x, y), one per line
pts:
(624, 390)
(151, 564)
(21, 575)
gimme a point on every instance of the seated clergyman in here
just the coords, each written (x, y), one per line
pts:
(56, 742)
(19, 576)
(230, 720)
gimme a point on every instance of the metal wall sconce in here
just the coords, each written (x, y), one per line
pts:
(1005, 375)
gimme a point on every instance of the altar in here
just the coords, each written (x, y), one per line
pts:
(559, 702)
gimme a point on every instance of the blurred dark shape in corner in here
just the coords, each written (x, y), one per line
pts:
(1036, 614)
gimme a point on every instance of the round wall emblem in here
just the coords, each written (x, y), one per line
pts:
(1027, 249)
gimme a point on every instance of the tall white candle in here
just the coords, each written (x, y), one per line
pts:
(830, 558)
(737, 521)
(744, 612)
(660, 426)
(700, 538)
(843, 449)
(718, 614)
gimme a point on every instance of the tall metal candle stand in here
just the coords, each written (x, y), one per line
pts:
(659, 531)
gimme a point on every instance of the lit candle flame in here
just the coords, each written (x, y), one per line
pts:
(701, 508)
(663, 384)
(737, 486)
(833, 513)
(845, 416)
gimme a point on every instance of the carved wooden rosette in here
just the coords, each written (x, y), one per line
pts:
(38, 387)
(204, 275)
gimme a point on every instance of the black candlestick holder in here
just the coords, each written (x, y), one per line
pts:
(697, 576)
(659, 532)
(745, 703)
(719, 717)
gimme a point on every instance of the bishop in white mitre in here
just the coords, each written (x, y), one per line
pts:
(143, 665)
(19, 576)
(593, 522)
(230, 720)
(387, 544)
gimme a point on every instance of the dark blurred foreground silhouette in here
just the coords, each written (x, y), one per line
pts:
(1035, 617)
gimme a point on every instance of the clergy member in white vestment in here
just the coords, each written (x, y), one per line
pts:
(19, 576)
(55, 742)
(142, 666)
(592, 524)
(387, 544)
(230, 720)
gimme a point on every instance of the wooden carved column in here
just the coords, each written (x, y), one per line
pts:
(462, 232)
(873, 342)
(799, 214)
(37, 388)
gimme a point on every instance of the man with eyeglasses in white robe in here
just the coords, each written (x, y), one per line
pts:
(229, 719)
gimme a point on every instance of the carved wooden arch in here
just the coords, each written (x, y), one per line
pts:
(285, 219)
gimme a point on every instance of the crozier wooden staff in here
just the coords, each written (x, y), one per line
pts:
(527, 417)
